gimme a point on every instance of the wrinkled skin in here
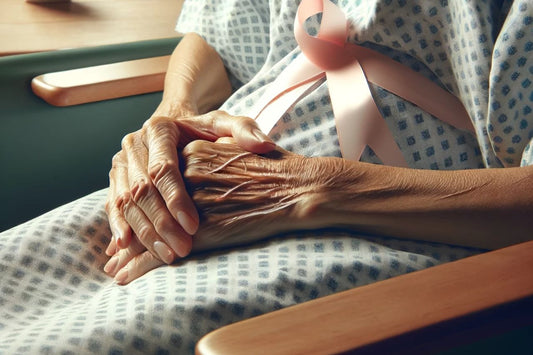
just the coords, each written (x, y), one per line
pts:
(241, 196)
(147, 199)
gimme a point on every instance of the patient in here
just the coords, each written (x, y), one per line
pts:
(237, 185)
(193, 179)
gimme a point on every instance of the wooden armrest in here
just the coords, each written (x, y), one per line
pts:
(102, 82)
(392, 315)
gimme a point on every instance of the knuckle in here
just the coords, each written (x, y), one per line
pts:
(217, 119)
(144, 234)
(243, 123)
(117, 160)
(194, 147)
(122, 202)
(145, 260)
(245, 120)
(117, 157)
(141, 189)
(211, 117)
(152, 124)
(128, 141)
(187, 150)
(220, 113)
(161, 169)
(155, 120)
(164, 222)
(158, 126)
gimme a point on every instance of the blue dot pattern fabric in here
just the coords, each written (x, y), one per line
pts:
(478, 50)
(55, 297)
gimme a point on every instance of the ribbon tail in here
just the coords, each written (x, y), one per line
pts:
(384, 145)
(270, 114)
(412, 86)
(295, 82)
(358, 119)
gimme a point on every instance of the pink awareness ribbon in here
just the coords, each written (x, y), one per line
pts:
(348, 67)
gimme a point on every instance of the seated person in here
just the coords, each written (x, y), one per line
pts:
(242, 196)
(192, 179)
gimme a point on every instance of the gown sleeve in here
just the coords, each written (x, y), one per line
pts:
(238, 30)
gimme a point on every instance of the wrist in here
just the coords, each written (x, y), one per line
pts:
(352, 194)
(176, 108)
(321, 182)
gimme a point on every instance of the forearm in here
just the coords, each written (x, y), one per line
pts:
(487, 208)
(196, 80)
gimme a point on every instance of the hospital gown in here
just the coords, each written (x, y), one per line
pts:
(55, 297)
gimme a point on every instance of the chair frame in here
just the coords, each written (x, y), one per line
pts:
(421, 312)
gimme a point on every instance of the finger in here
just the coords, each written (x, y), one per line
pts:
(131, 263)
(111, 247)
(226, 140)
(146, 233)
(150, 209)
(163, 166)
(220, 124)
(118, 189)
(137, 267)
(123, 256)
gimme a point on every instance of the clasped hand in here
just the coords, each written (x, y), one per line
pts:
(157, 216)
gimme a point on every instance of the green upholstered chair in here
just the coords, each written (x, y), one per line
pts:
(52, 155)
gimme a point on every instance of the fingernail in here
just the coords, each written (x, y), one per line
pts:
(111, 265)
(187, 223)
(164, 252)
(116, 232)
(111, 251)
(118, 236)
(122, 276)
(261, 136)
(122, 242)
(115, 249)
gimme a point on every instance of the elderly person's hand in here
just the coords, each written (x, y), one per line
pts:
(147, 201)
(147, 195)
(241, 197)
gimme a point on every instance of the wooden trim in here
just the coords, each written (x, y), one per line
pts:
(363, 318)
(102, 82)
(36, 27)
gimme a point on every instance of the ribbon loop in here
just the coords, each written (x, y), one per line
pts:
(327, 51)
